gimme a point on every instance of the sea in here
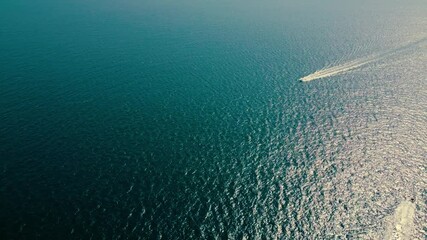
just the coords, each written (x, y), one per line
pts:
(213, 119)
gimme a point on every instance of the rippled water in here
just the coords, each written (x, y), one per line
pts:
(186, 120)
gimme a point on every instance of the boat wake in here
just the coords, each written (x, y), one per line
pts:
(402, 223)
(332, 71)
(343, 68)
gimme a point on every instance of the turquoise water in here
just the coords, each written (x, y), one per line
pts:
(187, 120)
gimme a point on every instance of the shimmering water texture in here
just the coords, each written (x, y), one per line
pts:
(166, 119)
(354, 64)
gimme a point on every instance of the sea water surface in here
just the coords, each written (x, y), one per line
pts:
(143, 119)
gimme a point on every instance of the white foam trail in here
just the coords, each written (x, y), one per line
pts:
(342, 68)
(328, 72)
(402, 224)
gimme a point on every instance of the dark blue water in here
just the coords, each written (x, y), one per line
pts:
(143, 119)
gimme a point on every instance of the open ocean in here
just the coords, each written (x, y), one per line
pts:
(161, 119)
